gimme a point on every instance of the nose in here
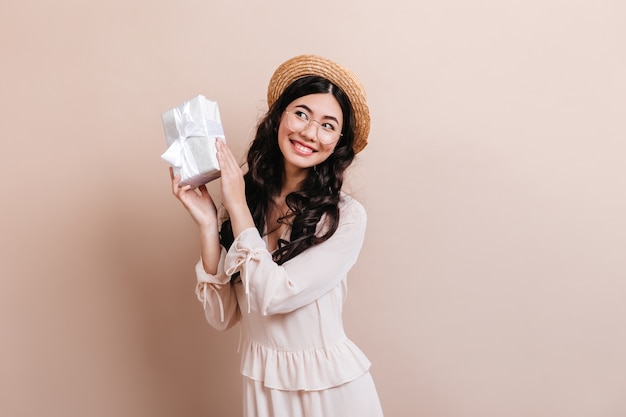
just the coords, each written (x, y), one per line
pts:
(310, 130)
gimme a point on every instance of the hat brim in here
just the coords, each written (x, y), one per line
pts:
(307, 65)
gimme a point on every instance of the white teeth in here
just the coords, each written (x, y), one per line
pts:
(302, 148)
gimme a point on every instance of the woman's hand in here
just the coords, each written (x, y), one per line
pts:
(233, 186)
(233, 189)
(197, 202)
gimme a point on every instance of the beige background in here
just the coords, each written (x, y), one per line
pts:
(493, 277)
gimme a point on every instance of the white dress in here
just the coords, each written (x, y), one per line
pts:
(296, 358)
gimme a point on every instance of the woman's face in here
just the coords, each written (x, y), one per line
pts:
(303, 123)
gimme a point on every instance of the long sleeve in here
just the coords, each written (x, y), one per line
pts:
(217, 296)
(274, 289)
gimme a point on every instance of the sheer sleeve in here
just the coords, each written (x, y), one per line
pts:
(217, 296)
(274, 289)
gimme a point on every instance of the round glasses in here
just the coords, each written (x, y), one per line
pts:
(327, 132)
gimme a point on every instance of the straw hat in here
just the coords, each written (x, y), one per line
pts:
(346, 80)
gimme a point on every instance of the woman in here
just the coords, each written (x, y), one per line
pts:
(279, 264)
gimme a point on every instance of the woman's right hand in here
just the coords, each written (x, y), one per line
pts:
(197, 202)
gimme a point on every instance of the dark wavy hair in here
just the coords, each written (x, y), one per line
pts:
(319, 193)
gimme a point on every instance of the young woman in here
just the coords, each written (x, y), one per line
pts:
(279, 263)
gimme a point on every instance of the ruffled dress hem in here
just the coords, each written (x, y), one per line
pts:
(306, 370)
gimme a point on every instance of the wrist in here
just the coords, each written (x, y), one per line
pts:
(241, 220)
(208, 229)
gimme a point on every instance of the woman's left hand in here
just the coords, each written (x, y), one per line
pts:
(233, 189)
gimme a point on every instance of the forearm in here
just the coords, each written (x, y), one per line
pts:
(210, 248)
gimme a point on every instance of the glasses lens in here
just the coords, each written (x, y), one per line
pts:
(296, 122)
(327, 135)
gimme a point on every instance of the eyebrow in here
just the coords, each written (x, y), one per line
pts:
(305, 107)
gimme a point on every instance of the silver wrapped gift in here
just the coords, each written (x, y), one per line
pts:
(190, 132)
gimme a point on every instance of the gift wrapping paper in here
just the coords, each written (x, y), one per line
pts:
(191, 130)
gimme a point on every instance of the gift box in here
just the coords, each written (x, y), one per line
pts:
(191, 130)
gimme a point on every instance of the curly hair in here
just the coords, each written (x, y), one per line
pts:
(319, 193)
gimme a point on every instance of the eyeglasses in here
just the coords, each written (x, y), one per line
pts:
(327, 132)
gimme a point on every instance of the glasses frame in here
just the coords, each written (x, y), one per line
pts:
(306, 126)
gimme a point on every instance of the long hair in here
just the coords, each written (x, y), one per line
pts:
(319, 193)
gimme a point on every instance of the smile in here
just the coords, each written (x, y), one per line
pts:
(302, 149)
